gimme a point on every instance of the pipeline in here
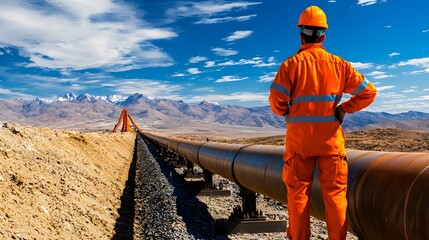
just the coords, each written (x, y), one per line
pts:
(388, 192)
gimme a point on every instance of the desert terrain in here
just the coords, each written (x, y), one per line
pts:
(63, 184)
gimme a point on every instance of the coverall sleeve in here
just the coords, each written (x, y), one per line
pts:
(280, 92)
(363, 91)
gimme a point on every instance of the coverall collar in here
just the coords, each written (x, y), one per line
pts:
(306, 46)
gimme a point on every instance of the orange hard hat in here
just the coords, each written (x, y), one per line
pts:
(313, 16)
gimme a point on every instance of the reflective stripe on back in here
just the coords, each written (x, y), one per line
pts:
(311, 119)
(361, 87)
(280, 88)
(321, 98)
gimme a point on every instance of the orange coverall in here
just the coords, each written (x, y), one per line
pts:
(307, 89)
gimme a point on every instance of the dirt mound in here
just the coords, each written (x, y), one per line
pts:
(61, 184)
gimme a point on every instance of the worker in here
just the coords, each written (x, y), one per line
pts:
(307, 90)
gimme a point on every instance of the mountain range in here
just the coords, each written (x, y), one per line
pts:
(86, 111)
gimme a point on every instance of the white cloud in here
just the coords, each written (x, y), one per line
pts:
(366, 2)
(255, 61)
(359, 65)
(388, 26)
(382, 88)
(230, 79)
(417, 62)
(238, 35)
(224, 52)
(225, 19)
(205, 8)
(425, 31)
(178, 75)
(267, 77)
(426, 89)
(152, 88)
(210, 64)
(394, 54)
(205, 89)
(408, 90)
(11, 94)
(423, 62)
(197, 59)
(379, 75)
(80, 35)
(193, 71)
(233, 97)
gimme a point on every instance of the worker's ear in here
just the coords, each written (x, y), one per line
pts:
(323, 38)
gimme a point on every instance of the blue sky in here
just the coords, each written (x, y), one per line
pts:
(215, 50)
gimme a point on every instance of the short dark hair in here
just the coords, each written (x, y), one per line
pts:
(312, 39)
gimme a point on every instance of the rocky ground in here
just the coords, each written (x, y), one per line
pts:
(60, 184)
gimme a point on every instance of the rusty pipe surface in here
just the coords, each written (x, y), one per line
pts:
(388, 193)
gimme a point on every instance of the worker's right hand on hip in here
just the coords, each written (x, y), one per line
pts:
(340, 113)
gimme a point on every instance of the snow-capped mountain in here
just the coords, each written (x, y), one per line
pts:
(71, 111)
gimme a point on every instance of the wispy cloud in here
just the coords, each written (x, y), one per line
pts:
(197, 59)
(382, 88)
(423, 62)
(366, 2)
(55, 86)
(379, 75)
(204, 89)
(15, 94)
(359, 65)
(152, 88)
(205, 9)
(230, 79)
(233, 97)
(178, 74)
(394, 54)
(80, 35)
(425, 31)
(224, 52)
(225, 19)
(238, 35)
(416, 62)
(269, 77)
(255, 61)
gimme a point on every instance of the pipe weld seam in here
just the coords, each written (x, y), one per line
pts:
(233, 161)
(407, 197)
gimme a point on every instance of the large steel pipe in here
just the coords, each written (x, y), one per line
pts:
(388, 193)
(219, 161)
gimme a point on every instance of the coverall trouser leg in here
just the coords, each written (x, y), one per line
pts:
(298, 174)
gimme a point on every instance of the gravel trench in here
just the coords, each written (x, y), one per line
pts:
(165, 210)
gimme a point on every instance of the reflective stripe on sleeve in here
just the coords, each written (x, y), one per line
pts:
(361, 87)
(280, 88)
(321, 98)
(311, 119)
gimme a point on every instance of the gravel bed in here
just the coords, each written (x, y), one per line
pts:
(165, 209)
